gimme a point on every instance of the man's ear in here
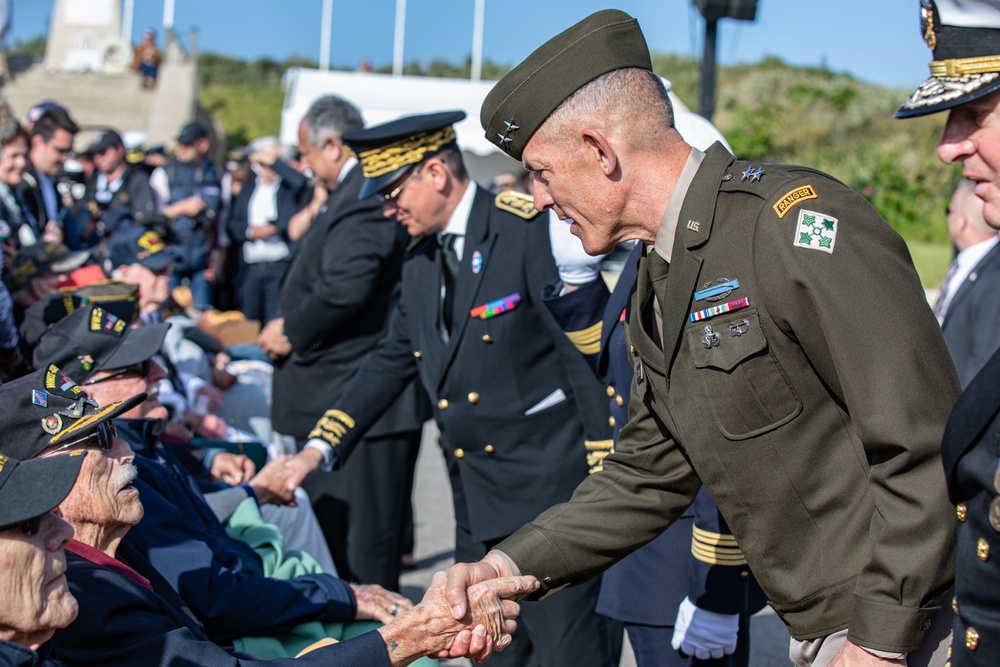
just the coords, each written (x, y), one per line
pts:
(437, 173)
(333, 149)
(601, 150)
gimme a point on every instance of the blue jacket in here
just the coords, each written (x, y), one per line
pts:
(124, 624)
(647, 586)
(221, 579)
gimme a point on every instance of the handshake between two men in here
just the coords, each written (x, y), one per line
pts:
(442, 626)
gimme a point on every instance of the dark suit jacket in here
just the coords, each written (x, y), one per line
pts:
(336, 299)
(490, 374)
(221, 579)
(815, 424)
(293, 194)
(124, 624)
(647, 586)
(970, 451)
(972, 323)
(31, 194)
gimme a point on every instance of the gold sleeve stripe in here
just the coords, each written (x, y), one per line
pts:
(717, 557)
(599, 445)
(588, 335)
(340, 415)
(719, 539)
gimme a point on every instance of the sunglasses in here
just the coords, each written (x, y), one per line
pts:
(105, 434)
(385, 198)
(29, 527)
(141, 369)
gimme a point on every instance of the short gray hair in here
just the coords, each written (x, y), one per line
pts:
(331, 116)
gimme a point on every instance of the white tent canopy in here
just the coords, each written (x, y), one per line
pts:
(382, 98)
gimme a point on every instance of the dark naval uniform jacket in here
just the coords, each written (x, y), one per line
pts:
(336, 299)
(972, 322)
(514, 400)
(812, 411)
(971, 454)
(697, 557)
(124, 623)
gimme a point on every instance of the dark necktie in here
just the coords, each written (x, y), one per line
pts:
(449, 270)
(946, 287)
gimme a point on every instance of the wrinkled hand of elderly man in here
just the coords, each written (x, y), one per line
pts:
(430, 629)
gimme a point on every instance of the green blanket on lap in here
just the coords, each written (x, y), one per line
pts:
(246, 524)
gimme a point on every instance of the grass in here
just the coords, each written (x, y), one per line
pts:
(246, 112)
(931, 259)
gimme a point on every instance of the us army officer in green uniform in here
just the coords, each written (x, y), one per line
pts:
(784, 356)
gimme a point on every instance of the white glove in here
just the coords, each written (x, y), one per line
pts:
(575, 266)
(704, 634)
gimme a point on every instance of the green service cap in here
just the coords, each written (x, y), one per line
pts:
(521, 101)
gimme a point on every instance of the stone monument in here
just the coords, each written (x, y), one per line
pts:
(85, 36)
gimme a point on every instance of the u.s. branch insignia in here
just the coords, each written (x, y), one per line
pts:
(520, 204)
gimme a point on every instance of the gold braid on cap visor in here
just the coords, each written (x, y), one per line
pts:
(956, 67)
(386, 159)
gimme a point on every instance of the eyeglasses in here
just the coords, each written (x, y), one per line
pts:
(62, 151)
(385, 198)
(29, 527)
(142, 370)
(105, 433)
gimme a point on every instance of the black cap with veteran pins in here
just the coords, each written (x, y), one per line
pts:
(47, 408)
(32, 488)
(140, 245)
(94, 338)
(521, 101)
(386, 152)
(43, 259)
(964, 36)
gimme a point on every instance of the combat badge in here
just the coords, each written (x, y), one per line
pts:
(710, 339)
(521, 205)
(816, 231)
(717, 292)
(790, 199)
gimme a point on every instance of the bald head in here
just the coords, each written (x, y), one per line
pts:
(966, 225)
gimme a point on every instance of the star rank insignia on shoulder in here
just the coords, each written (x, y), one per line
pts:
(520, 204)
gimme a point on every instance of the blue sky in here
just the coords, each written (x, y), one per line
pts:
(875, 40)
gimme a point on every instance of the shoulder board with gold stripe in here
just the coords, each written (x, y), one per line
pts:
(520, 204)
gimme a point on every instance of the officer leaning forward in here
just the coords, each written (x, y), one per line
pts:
(189, 194)
(785, 357)
(516, 403)
(965, 81)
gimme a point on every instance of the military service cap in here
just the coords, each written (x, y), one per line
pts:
(965, 38)
(521, 101)
(386, 152)
(47, 408)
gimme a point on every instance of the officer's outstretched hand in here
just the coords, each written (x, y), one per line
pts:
(575, 266)
(704, 634)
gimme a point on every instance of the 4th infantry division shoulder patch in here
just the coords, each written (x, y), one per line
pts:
(817, 231)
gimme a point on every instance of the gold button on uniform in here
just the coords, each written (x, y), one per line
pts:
(611, 422)
(473, 397)
(418, 354)
(459, 453)
(610, 390)
(982, 549)
(620, 401)
(489, 449)
(971, 639)
(487, 338)
(443, 404)
(995, 514)
(961, 512)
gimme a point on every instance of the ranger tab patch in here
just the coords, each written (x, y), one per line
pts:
(817, 231)
(521, 205)
(790, 199)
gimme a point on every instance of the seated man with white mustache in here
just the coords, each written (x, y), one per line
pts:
(130, 616)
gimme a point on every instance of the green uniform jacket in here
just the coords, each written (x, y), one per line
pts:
(814, 416)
